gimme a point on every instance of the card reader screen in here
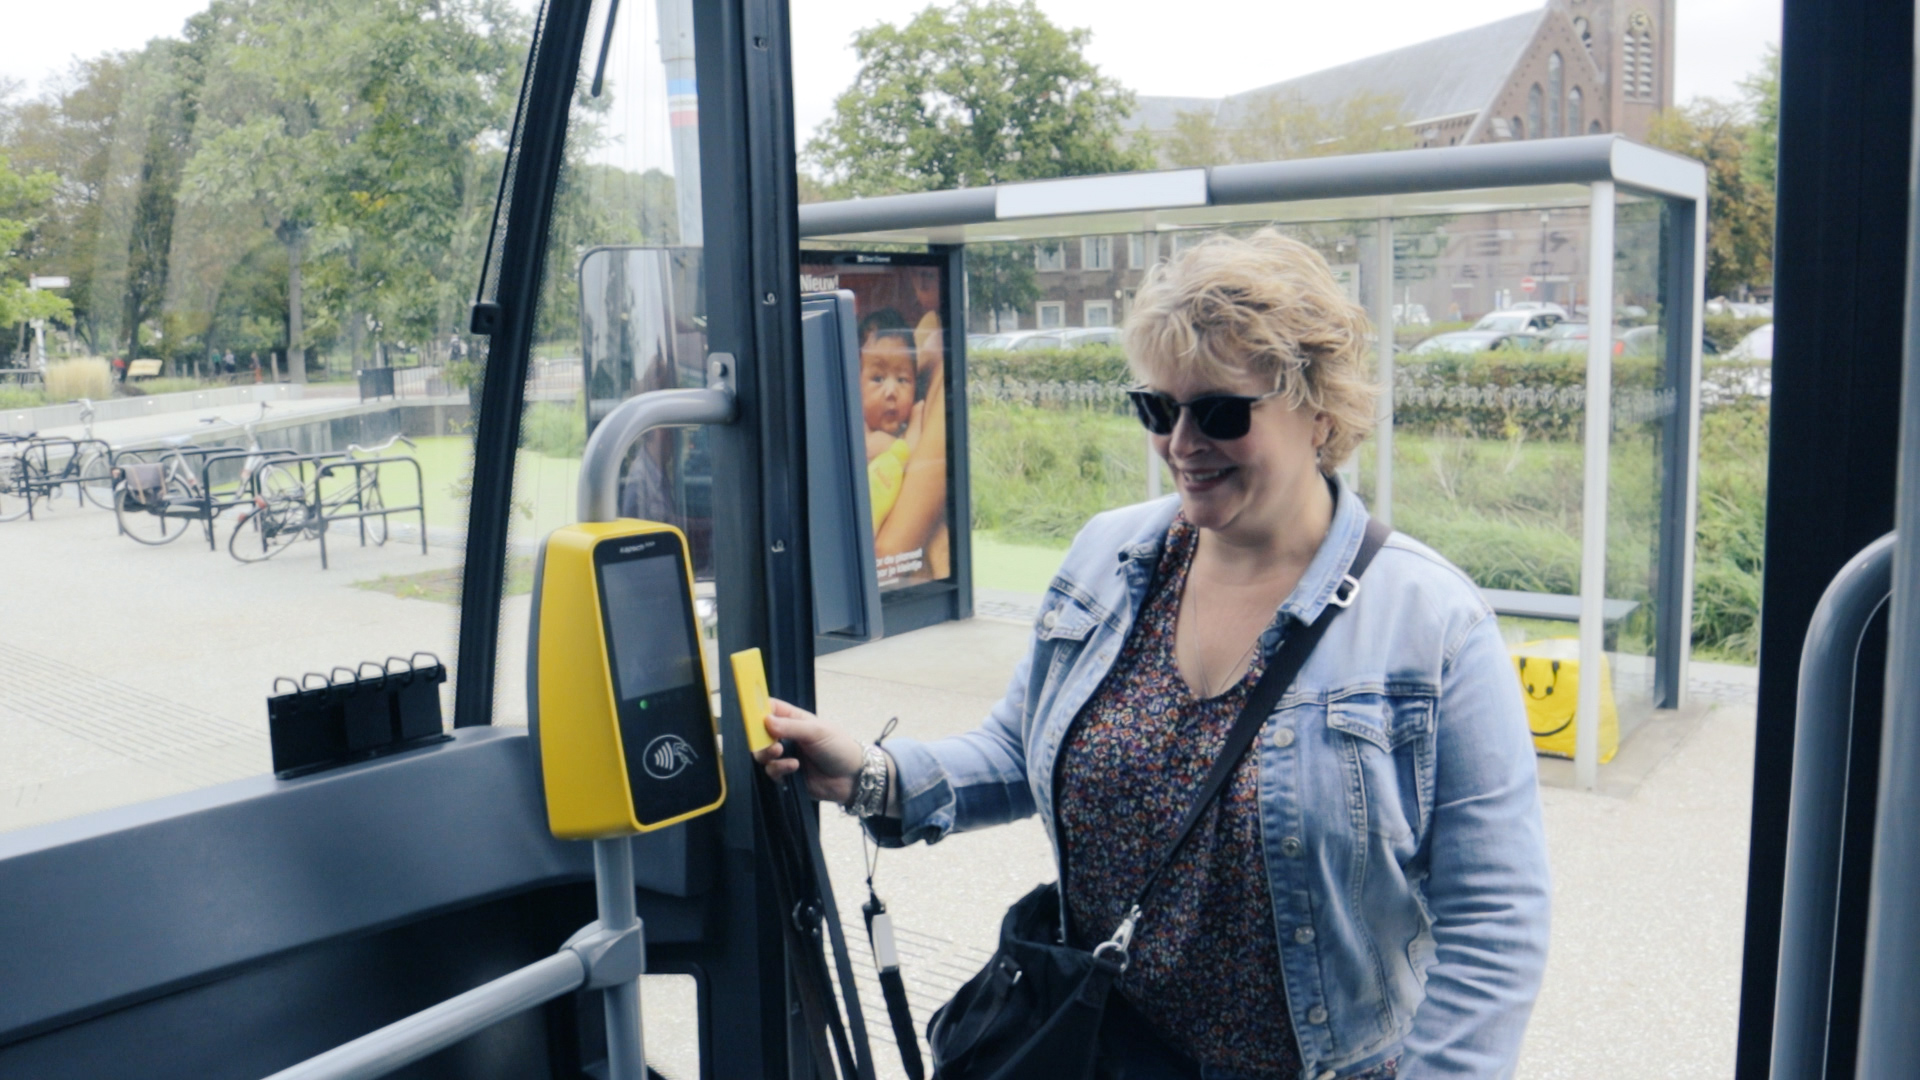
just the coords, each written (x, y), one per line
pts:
(651, 654)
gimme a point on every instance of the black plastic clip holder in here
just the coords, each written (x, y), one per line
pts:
(353, 714)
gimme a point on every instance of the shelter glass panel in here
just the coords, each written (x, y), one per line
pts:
(1642, 405)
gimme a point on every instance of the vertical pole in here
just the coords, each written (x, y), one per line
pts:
(1889, 1042)
(613, 890)
(1383, 331)
(1593, 501)
(683, 114)
(1683, 285)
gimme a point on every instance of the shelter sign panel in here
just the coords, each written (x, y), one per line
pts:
(900, 302)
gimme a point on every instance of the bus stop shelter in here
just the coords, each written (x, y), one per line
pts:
(1598, 226)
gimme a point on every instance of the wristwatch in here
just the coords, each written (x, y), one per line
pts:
(870, 784)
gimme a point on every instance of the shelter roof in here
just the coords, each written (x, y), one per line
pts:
(1397, 183)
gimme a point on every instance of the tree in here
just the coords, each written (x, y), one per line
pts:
(1762, 93)
(977, 93)
(1739, 205)
(354, 130)
(22, 201)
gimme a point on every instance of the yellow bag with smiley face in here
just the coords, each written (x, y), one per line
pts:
(1550, 680)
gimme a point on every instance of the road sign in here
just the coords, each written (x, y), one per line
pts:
(48, 282)
(1527, 284)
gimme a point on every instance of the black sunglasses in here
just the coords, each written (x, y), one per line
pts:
(1218, 416)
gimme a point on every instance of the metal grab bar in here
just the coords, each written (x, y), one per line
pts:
(380, 1052)
(599, 493)
(609, 953)
(1822, 740)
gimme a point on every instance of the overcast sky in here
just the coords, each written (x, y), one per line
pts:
(1192, 47)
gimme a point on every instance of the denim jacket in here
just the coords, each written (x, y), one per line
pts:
(1399, 809)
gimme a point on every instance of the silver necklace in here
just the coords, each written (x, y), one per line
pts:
(1207, 690)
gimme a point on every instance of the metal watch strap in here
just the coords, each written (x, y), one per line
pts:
(870, 786)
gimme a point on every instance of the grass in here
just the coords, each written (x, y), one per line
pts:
(443, 586)
(15, 396)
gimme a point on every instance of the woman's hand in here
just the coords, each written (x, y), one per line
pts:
(829, 757)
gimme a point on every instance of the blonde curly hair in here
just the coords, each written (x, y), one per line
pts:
(1267, 306)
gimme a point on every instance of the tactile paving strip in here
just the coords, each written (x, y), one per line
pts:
(196, 747)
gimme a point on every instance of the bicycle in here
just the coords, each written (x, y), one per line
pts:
(154, 500)
(35, 467)
(284, 511)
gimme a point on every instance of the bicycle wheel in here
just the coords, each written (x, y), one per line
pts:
(13, 488)
(147, 520)
(96, 479)
(278, 517)
(370, 501)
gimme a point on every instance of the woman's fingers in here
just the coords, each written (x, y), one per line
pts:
(830, 757)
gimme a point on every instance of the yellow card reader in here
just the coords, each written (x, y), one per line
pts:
(627, 738)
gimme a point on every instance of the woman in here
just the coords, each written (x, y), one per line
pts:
(1368, 898)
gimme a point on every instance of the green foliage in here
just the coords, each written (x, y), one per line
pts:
(1738, 143)
(1506, 395)
(1278, 127)
(1725, 331)
(976, 93)
(1038, 474)
(1762, 93)
(1730, 537)
(1506, 511)
(1087, 363)
(23, 199)
(554, 428)
(313, 173)
(15, 396)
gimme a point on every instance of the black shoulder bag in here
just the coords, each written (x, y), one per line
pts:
(1034, 1011)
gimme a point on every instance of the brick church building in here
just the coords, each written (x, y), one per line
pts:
(1572, 67)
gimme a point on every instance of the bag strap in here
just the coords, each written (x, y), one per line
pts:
(1294, 650)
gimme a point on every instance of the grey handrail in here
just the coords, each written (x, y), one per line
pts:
(607, 447)
(379, 1053)
(1822, 738)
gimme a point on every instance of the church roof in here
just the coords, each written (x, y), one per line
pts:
(1445, 76)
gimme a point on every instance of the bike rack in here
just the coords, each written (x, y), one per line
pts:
(360, 512)
(25, 449)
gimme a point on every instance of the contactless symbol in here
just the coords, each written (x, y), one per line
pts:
(668, 756)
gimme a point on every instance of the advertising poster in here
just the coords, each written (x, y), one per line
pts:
(900, 305)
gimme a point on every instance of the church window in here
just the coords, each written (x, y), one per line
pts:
(1636, 57)
(1536, 105)
(1519, 127)
(1555, 83)
(1574, 121)
(1593, 128)
(1586, 33)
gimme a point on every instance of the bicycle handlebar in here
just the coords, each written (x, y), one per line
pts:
(355, 448)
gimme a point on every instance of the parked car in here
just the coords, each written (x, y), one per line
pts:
(1547, 306)
(1514, 320)
(1477, 341)
(1002, 340)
